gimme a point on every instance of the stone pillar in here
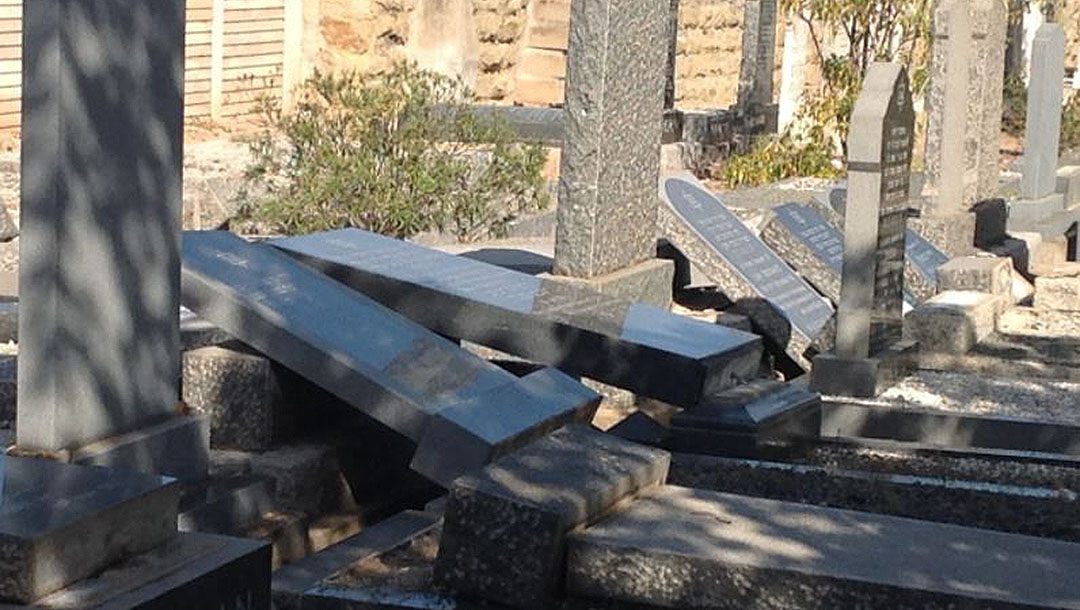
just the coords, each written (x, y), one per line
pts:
(611, 154)
(1042, 134)
(797, 49)
(758, 53)
(990, 25)
(950, 186)
(673, 54)
(102, 129)
(869, 317)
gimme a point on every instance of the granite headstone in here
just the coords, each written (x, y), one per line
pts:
(641, 348)
(611, 155)
(461, 410)
(102, 154)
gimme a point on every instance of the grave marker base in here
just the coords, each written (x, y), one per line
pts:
(954, 234)
(863, 377)
(649, 282)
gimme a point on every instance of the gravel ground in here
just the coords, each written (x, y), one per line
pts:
(1029, 321)
(971, 394)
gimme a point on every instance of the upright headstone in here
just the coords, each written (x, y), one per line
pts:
(990, 23)
(1039, 200)
(1042, 133)
(870, 313)
(616, 62)
(758, 55)
(945, 219)
(102, 130)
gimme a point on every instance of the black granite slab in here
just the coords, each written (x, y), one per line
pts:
(191, 571)
(374, 359)
(60, 523)
(637, 347)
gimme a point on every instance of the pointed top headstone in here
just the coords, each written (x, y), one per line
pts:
(870, 313)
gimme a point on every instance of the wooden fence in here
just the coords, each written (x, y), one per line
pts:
(237, 50)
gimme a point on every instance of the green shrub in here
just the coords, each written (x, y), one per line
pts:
(397, 153)
(777, 158)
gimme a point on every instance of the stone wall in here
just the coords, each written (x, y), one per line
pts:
(521, 50)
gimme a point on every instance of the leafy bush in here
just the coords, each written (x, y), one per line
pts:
(776, 158)
(397, 153)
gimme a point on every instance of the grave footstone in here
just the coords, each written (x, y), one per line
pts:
(637, 347)
(462, 411)
(688, 548)
(951, 180)
(611, 155)
(870, 313)
(783, 306)
(102, 132)
(1040, 200)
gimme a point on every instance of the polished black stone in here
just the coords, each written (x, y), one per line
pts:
(634, 346)
(374, 359)
(749, 256)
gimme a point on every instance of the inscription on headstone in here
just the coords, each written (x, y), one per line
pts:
(870, 313)
(744, 268)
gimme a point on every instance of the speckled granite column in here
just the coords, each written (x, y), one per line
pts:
(102, 128)
(616, 63)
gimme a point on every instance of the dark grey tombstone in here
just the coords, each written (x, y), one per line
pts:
(870, 314)
(633, 346)
(611, 158)
(102, 131)
(461, 410)
(790, 313)
(805, 240)
(758, 51)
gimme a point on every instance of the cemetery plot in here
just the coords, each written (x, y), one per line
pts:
(460, 409)
(788, 311)
(633, 346)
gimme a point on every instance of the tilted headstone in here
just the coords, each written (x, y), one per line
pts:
(611, 157)
(921, 258)
(790, 313)
(951, 177)
(102, 132)
(1042, 132)
(814, 247)
(641, 348)
(870, 314)
(461, 410)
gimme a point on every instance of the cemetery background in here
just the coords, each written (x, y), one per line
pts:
(284, 409)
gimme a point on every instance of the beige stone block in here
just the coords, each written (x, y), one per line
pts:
(549, 35)
(1059, 289)
(532, 91)
(953, 322)
(542, 63)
